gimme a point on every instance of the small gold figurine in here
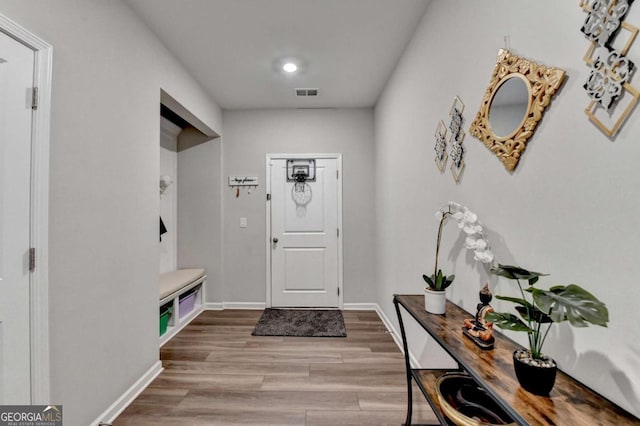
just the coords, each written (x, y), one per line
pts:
(479, 330)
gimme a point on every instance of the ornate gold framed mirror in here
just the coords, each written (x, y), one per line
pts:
(513, 104)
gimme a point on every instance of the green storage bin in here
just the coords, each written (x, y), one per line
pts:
(164, 320)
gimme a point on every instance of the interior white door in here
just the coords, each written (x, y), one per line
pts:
(304, 238)
(16, 82)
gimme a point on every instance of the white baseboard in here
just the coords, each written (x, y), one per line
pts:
(361, 307)
(387, 323)
(219, 306)
(243, 305)
(111, 413)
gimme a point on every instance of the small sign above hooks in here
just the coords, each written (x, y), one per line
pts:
(248, 182)
(243, 181)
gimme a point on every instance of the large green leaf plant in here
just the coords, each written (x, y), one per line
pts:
(539, 309)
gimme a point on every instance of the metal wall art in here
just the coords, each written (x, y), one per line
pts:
(610, 73)
(519, 83)
(456, 150)
(604, 19)
(441, 146)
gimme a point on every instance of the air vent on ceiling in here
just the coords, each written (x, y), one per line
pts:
(307, 92)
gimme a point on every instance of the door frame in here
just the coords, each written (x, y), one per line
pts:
(338, 158)
(39, 209)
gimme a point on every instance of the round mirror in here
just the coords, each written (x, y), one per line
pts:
(509, 106)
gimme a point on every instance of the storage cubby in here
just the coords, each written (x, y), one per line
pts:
(181, 314)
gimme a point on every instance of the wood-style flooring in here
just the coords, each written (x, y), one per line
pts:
(216, 373)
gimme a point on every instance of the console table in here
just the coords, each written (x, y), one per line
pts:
(570, 402)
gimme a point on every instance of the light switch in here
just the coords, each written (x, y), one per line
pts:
(243, 222)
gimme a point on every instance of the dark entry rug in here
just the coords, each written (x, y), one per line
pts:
(300, 323)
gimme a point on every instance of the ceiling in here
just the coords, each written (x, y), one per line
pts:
(235, 48)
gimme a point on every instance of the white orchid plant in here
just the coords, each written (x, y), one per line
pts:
(476, 240)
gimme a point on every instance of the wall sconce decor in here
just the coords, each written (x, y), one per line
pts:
(441, 146)
(456, 150)
(608, 83)
(512, 106)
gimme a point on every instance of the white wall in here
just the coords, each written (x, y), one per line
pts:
(569, 209)
(200, 209)
(249, 136)
(107, 74)
(169, 200)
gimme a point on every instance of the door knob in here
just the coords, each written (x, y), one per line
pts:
(275, 240)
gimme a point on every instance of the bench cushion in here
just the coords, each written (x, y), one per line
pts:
(170, 282)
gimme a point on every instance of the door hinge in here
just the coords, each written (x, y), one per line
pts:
(337, 174)
(338, 291)
(34, 98)
(268, 197)
(32, 259)
(338, 232)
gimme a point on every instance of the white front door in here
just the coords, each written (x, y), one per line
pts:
(16, 82)
(304, 237)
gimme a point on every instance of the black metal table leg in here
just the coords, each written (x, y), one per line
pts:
(407, 364)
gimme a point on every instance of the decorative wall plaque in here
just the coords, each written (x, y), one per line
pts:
(456, 151)
(441, 146)
(610, 74)
(604, 19)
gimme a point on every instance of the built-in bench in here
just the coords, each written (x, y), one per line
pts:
(181, 291)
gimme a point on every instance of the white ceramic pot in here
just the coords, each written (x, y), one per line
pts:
(435, 301)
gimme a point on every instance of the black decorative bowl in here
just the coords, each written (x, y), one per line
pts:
(467, 404)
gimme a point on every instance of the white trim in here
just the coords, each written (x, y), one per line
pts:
(120, 404)
(168, 128)
(340, 234)
(243, 305)
(338, 158)
(397, 337)
(39, 282)
(213, 306)
(361, 307)
(267, 186)
(170, 102)
(387, 323)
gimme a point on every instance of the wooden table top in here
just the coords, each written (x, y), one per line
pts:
(570, 402)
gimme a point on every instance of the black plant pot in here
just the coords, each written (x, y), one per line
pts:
(538, 380)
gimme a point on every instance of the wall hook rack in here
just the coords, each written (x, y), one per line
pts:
(237, 182)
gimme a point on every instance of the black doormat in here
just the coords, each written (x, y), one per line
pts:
(300, 323)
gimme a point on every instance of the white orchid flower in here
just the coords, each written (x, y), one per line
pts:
(484, 256)
(470, 243)
(469, 216)
(471, 229)
(468, 221)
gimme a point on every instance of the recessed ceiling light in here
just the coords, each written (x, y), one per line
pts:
(290, 67)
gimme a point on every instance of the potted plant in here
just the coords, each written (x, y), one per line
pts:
(434, 293)
(539, 310)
